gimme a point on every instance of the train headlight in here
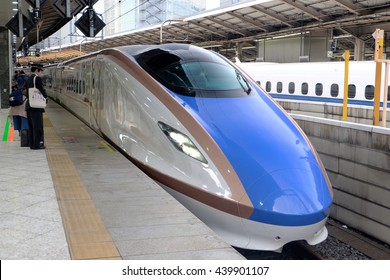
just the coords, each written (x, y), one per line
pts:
(182, 142)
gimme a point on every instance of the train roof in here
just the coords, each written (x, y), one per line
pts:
(184, 52)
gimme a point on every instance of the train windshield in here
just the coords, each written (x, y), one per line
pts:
(195, 72)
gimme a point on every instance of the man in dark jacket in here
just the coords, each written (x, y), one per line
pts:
(34, 115)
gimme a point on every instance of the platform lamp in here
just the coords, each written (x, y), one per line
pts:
(168, 21)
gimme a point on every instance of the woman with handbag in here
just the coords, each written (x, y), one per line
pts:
(35, 115)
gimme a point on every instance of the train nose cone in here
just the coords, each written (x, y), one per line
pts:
(291, 197)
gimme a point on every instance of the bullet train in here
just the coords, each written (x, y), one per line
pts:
(206, 133)
(318, 81)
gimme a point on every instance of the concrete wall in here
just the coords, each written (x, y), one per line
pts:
(4, 67)
(290, 49)
(282, 50)
(332, 111)
(357, 159)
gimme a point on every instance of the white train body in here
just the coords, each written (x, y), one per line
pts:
(318, 81)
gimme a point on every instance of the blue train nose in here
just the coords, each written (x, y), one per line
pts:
(291, 197)
(277, 166)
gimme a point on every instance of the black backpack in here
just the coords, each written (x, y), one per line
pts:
(16, 98)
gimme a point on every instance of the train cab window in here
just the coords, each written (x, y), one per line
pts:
(351, 91)
(291, 87)
(369, 92)
(319, 89)
(268, 86)
(279, 87)
(334, 90)
(305, 88)
(194, 72)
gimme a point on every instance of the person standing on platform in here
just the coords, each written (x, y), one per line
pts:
(21, 80)
(18, 117)
(35, 115)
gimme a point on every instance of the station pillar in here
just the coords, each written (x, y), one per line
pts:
(359, 50)
(239, 51)
(260, 50)
(5, 67)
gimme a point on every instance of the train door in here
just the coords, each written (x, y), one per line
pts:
(88, 79)
(57, 83)
(60, 84)
(95, 94)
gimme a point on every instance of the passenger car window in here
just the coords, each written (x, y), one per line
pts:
(305, 88)
(291, 87)
(351, 91)
(319, 89)
(268, 86)
(334, 90)
(369, 92)
(279, 87)
(388, 93)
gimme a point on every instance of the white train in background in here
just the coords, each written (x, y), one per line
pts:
(317, 81)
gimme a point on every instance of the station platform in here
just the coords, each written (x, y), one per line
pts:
(81, 199)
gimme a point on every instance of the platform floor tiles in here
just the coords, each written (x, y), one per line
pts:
(30, 221)
(109, 208)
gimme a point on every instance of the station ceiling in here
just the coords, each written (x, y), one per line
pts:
(247, 23)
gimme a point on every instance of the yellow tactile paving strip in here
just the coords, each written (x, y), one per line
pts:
(85, 231)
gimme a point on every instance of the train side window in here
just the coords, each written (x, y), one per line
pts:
(291, 87)
(334, 90)
(268, 86)
(369, 92)
(319, 89)
(258, 82)
(279, 87)
(351, 91)
(305, 88)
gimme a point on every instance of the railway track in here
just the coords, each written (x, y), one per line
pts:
(348, 244)
(291, 251)
(342, 244)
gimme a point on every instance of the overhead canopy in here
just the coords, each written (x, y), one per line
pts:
(245, 23)
(249, 22)
(54, 15)
(51, 57)
(53, 18)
